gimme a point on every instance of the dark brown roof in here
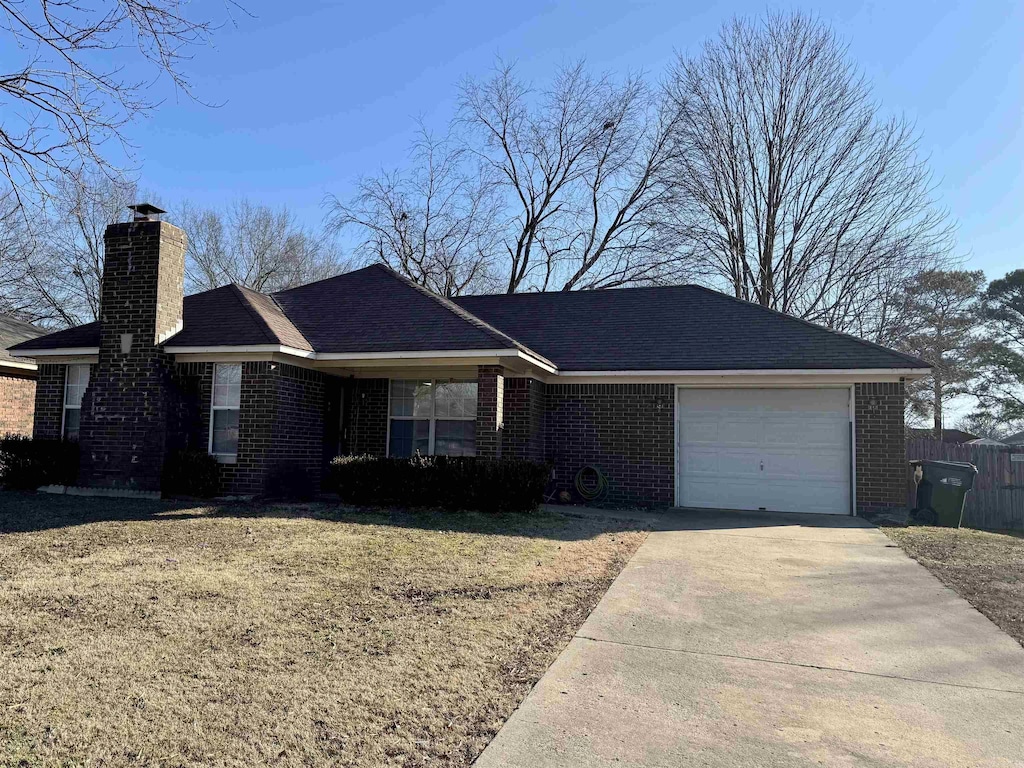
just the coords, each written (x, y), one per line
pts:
(375, 310)
(14, 332)
(235, 316)
(685, 328)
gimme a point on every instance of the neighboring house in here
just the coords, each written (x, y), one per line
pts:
(17, 378)
(680, 395)
(1017, 438)
(984, 441)
(955, 436)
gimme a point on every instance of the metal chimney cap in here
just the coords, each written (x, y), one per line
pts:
(146, 212)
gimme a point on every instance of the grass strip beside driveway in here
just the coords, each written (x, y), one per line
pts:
(983, 567)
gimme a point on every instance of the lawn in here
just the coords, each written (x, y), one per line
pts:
(148, 633)
(984, 568)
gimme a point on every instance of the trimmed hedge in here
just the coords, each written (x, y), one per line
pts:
(27, 463)
(190, 473)
(289, 480)
(448, 482)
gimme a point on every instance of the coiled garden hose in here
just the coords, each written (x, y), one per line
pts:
(591, 483)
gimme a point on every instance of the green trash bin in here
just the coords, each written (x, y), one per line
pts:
(942, 488)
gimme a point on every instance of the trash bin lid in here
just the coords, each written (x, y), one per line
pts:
(961, 466)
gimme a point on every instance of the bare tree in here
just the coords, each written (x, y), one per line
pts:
(56, 258)
(583, 171)
(66, 93)
(796, 193)
(436, 222)
(255, 246)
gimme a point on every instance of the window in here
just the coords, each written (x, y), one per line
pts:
(227, 392)
(76, 381)
(432, 417)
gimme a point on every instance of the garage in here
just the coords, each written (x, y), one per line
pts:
(783, 450)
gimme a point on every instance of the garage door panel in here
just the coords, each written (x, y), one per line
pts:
(721, 462)
(803, 431)
(824, 465)
(773, 449)
(741, 431)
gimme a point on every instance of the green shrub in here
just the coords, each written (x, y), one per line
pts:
(448, 482)
(190, 473)
(289, 479)
(27, 463)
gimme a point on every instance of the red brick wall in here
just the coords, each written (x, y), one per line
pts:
(627, 430)
(490, 410)
(881, 446)
(49, 401)
(280, 422)
(523, 436)
(17, 403)
(366, 402)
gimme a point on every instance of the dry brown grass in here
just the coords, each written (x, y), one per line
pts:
(147, 634)
(984, 568)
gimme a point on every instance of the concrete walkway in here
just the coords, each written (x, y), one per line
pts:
(771, 640)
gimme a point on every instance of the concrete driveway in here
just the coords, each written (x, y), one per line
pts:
(771, 640)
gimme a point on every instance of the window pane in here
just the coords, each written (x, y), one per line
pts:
(455, 438)
(402, 391)
(456, 399)
(72, 418)
(423, 403)
(227, 385)
(408, 436)
(225, 432)
(77, 380)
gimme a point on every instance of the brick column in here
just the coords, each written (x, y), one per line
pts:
(881, 446)
(490, 410)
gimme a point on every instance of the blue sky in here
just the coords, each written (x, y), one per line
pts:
(317, 93)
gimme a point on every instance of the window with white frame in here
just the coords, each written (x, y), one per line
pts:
(227, 392)
(76, 381)
(432, 416)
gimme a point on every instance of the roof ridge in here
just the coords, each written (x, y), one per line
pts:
(460, 312)
(284, 314)
(240, 294)
(834, 332)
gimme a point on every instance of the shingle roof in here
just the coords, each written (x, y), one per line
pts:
(627, 329)
(236, 316)
(376, 310)
(685, 327)
(13, 332)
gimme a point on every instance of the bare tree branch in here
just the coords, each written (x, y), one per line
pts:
(436, 223)
(69, 96)
(254, 246)
(796, 193)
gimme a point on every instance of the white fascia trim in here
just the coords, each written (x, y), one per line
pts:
(251, 349)
(400, 355)
(63, 351)
(761, 372)
(18, 364)
(443, 353)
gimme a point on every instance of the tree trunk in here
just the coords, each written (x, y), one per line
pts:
(937, 406)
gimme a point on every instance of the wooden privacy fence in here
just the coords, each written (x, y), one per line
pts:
(997, 500)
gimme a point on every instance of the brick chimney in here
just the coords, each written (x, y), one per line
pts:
(125, 411)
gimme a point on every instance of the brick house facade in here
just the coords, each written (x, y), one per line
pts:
(289, 380)
(17, 403)
(17, 379)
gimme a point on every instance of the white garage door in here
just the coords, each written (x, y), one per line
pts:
(785, 450)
